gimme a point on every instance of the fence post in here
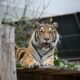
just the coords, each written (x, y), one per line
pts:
(7, 53)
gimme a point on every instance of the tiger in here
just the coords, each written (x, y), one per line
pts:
(41, 48)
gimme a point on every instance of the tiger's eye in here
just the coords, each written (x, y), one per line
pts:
(53, 31)
(41, 31)
(50, 31)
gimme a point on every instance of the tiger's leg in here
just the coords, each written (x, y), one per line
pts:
(29, 62)
(49, 61)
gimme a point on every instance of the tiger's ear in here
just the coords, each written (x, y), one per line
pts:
(51, 20)
(37, 24)
(55, 24)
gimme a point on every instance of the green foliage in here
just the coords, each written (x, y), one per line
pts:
(64, 64)
(18, 65)
(57, 62)
(23, 33)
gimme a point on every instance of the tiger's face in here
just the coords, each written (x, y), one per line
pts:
(46, 35)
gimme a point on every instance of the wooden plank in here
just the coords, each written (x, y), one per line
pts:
(47, 74)
(49, 71)
(7, 53)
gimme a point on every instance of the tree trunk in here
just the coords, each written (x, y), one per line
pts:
(7, 53)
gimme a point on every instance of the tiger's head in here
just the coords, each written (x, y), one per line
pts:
(46, 35)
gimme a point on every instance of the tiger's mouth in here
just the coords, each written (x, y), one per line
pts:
(46, 45)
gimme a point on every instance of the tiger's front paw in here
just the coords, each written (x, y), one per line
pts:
(34, 65)
(48, 64)
(31, 64)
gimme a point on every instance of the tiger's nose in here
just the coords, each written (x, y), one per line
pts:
(46, 39)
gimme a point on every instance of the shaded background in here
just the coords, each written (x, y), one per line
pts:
(69, 29)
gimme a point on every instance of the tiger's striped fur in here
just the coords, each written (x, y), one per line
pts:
(41, 48)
